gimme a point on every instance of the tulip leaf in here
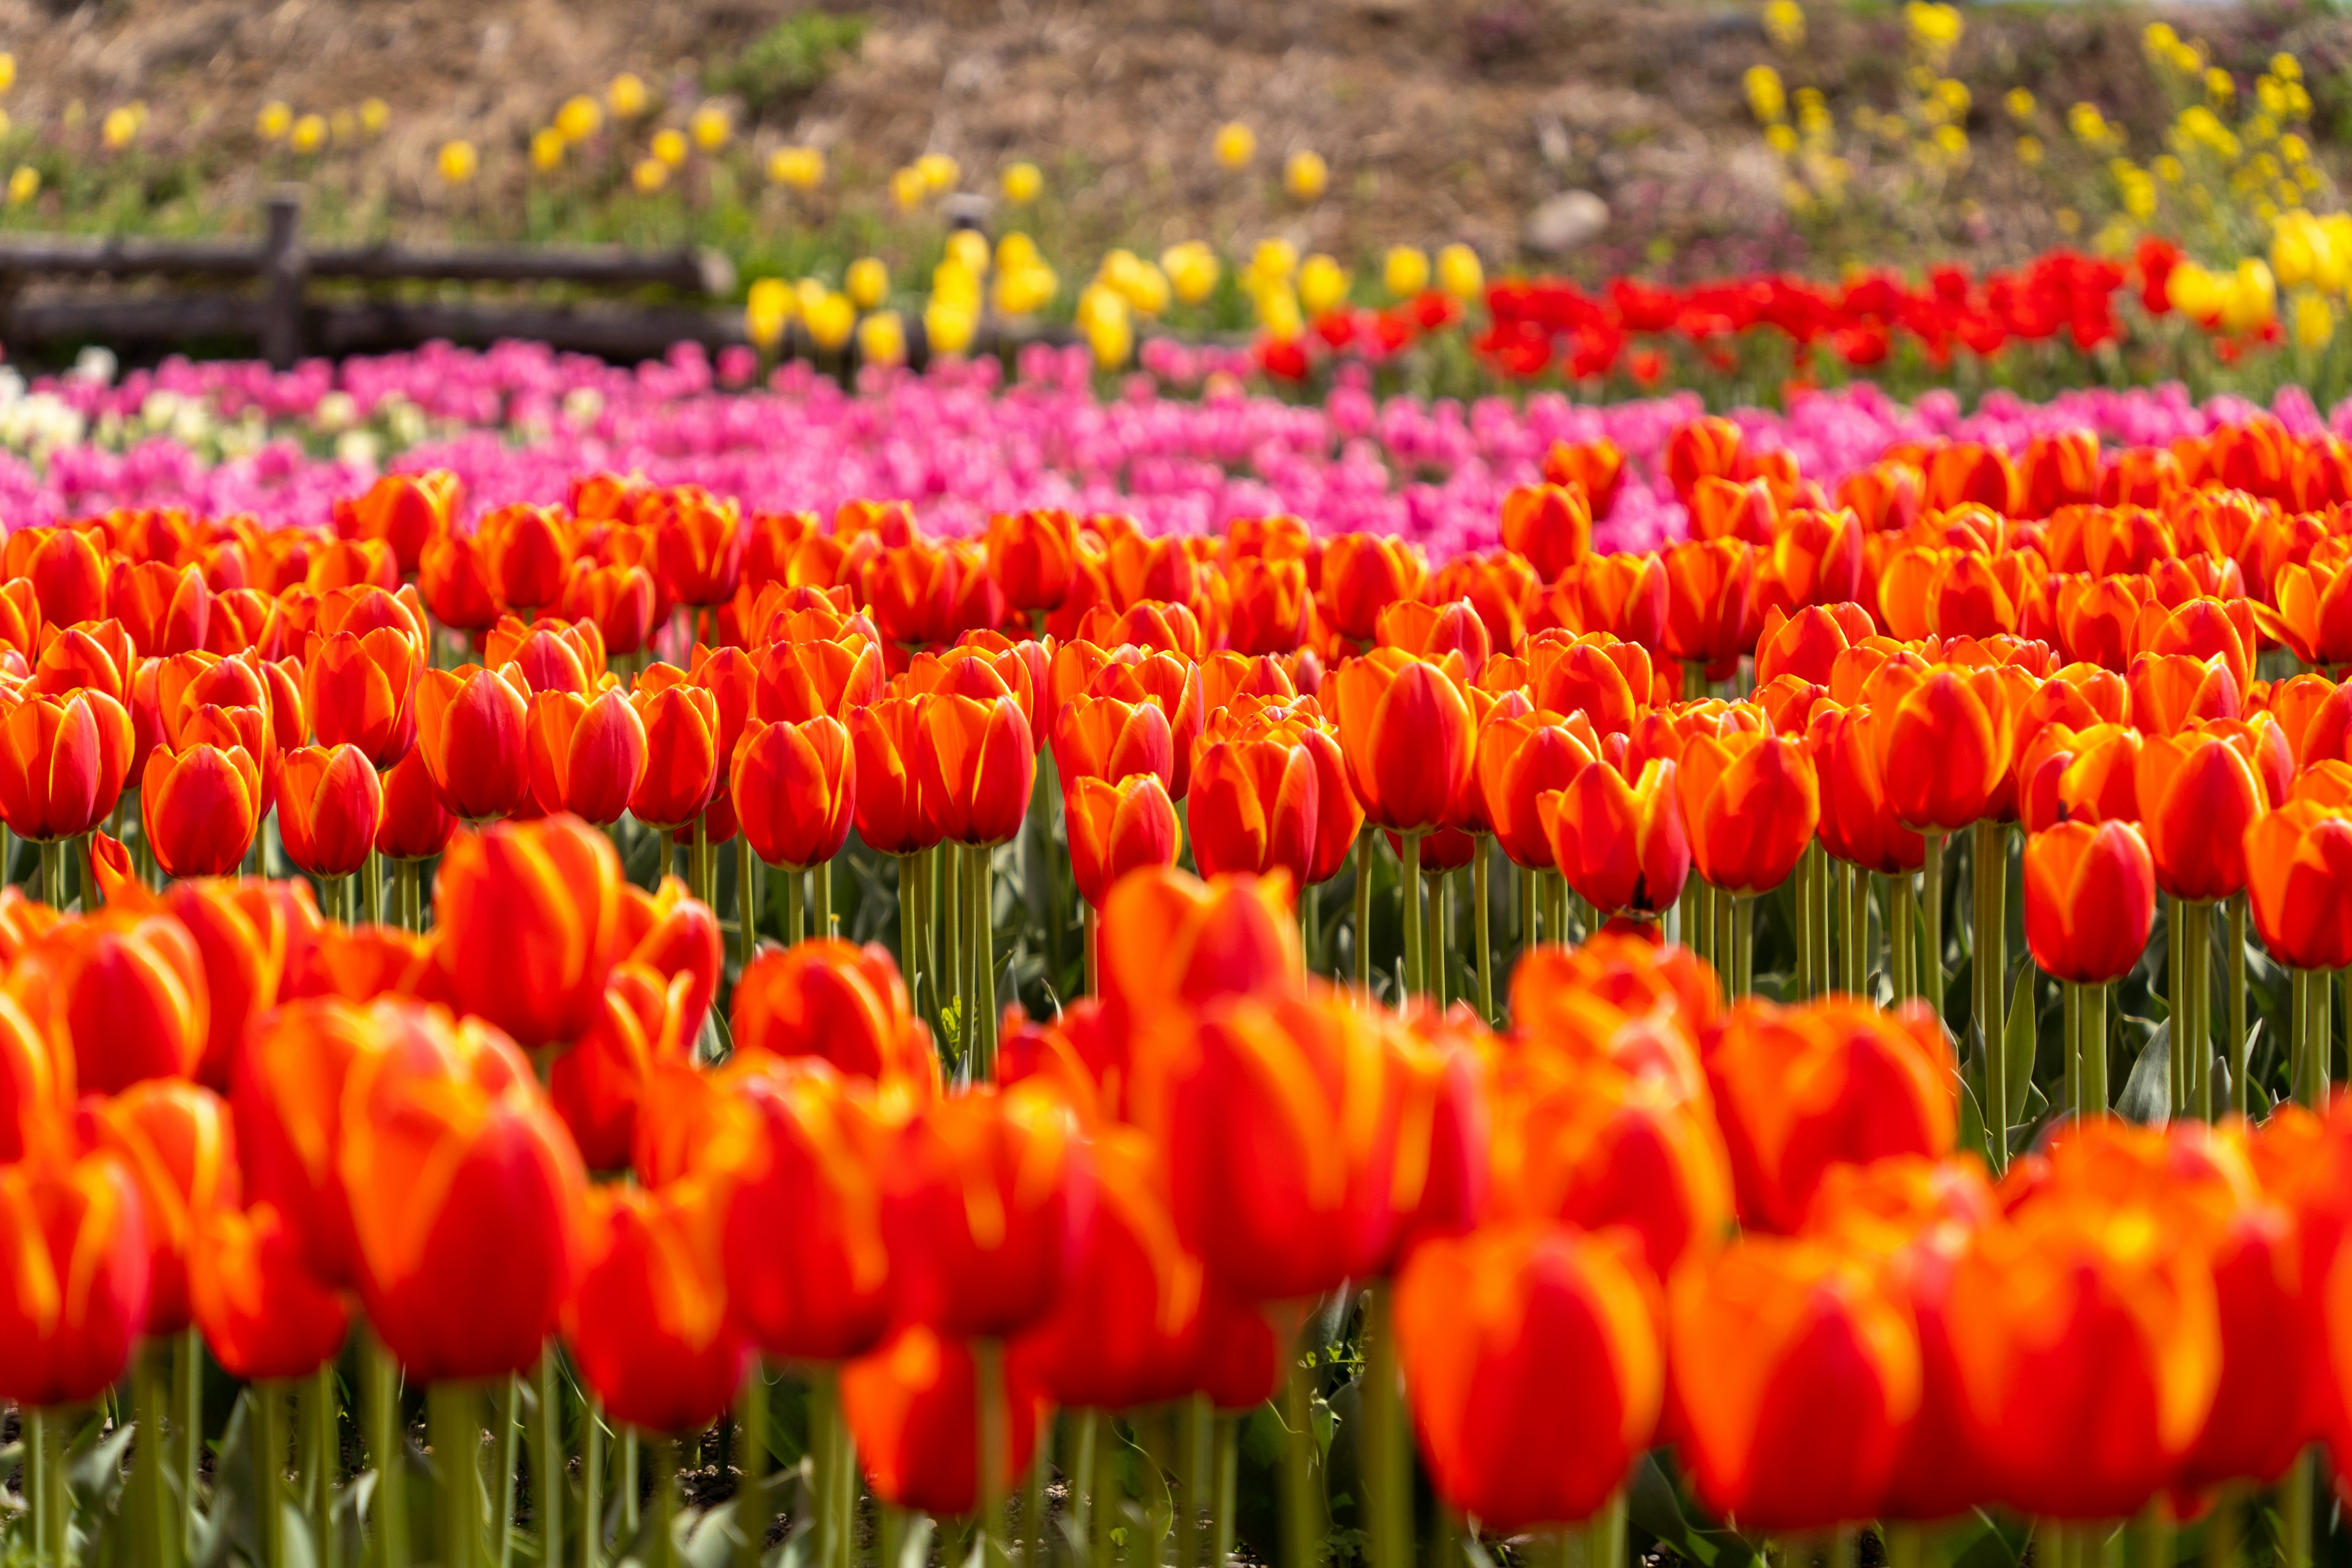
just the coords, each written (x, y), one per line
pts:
(1654, 1504)
(96, 1472)
(2017, 1053)
(294, 1538)
(1979, 1540)
(2148, 1092)
(710, 1537)
(1971, 1132)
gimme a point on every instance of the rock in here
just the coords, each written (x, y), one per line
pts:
(1563, 223)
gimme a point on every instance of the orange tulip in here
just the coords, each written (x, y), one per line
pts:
(892, 807)
(94, 656)
(201, 807)
(363, 690)
(2089, 1352)
(527, 917)
(794, 788)
(806, 1267)
(1797, 1380)
(2299, 883)
(1107, 738)
(1799, 1090)
(1535, 1371)
(1943, 740)
(1432, 631)
(682, 749)
(1749, 805)
(1271, 601)
(264, 1315)
(62, 764)
(1116, 828)
(76, 1237)
(526, 554)
(2169, 690)
(1706, 446)
(1858, 822)
(1809, 642)
(2090, 899)
(797, 681)
(466, 1195)
(547, 655)
(1625, 595)
(472, 724)
(698, 543)
(985, 1197)
(416, 824)
(1708, 602)
(1610, 683)
(177, 1143)
(2197, 797)
(1598, 466)
(1125, 1330)
(647, 1324)
(620, 600)
(1255, 806)
(329, 807)
(68, 567)
(1521, 757)
(1621, 846)
(454, 575)
(1032, 556)
(587, 756)
(166, 609)
(1362, 574)
(913, 1409)
(1405, 729)
(1551, 525)
(404, 510)
(826, 999)
(1174, 686)
(977, 766)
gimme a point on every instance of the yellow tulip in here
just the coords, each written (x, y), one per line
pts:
(953, 283)
(1192, 270)
(1406, 269)
(1024, 290)
(344, 124)
(906, 188)
(547, 148)
(649, 176)
(868, 282)
(117, 128)
(2314, 320)
(768, 309)
(1274, 259)
(796, 168)
(274, 121)
(711, 127)
(670, 147)
(882, 339)
(458, 161)
(1784, 24)
(1458, 273)
(2250, 300)
(1306, 175)
(374, 115)
(949, 326)
(627, 96)
(1236, 145)
(831, 317)
(579, 119)
(1015, 252)
(938, 171)
(8, 70)
(1278, 312)
(1322, 284)
(967, 247)
(309, 134)
(24, 185)
(1022, 184)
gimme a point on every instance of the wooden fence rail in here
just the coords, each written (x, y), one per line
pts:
(276, 310)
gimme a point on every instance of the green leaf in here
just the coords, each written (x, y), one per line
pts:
(1979, 1540)
(1971, 1134)
(2148, 1092)
(2018, 1049)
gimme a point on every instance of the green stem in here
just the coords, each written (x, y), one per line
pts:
(747, 901)
(959, 966)
(1410, 891)
(1389, 1474)
(825, 1461)
(1032, 1504)
(2295, 1498)
(1194, 1419)
(821, 910)
(592, 1486)
(1527, 879)
(1902, 939)
(269, 1472)
(1698, 923)
(2071, 1045)
(1480, 858)
(1604, 1536)
(2094, 1040)
(1303, 1524)
(2176, 944)
(1310, 926)
(2224, 1529)
(1906, 1545)
(1109, 1485)
(387, 1450)
(452, 1418)
(1228, 1456)
(321, 1421)
(1802, 903)
(1986, 872)
(1093, 954)
(53, 889)
(1743, 944)
(548, 1461)
(669, 1462)
(632, 1494)
(2152, 1535)
(907, 923)
(509, 1412)
(1931, 918)
(2199, 1062)
(1438, 909)
(993, 1452)
(1084, 1433)
(751, 1511)
(156, 1532)
(1727, 950)
(188, 1400)
(795, 922)
(2238, 1063)
(37, 1466)
(1364, 911)
(983, 954)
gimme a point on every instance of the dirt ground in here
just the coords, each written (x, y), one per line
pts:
(1441, 119)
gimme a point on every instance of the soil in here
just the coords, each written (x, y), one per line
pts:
(1441, 119)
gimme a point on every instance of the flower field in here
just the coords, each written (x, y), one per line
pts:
(1665, 983)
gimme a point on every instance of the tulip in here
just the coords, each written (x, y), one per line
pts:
(166, 609)
(598, 1085)
(913, 1409)
(1708, 602)
(76, 1239)
(620, 600)
(62, 764)
(647, 1324)
(806, 1267)
(68, 572)
(800, 680)
(2299, 879)
(1797, 1380)
(2090, 899)
(1800, 1091)
(1106, 738)
(416, 824)
(795, 786)
(454, 575)
(1116, 828)
(1173, 684)
(287, 1098)
(826, 999)
(36, 1085)
(546, 655)
(1520, 758)
(587, 756)
(363, 690)
(2089, 1353)
(1619, 846)
(1032, 556)
(1362, 574)
(97, 656)
(176, 1142)
(977, 766)
(1534, 1367)
(527, 917)
(330, 807)
(2169, 690)
(1943, 748)
(472, 725)
(699, 543)
(682, 757)
(201, 807)
(265, 1316)
(1406, 732)
(1271, 604)
(1171, 941)
(405, 510)
(1125, 1330)
(1255, 806)
(892, 805)
(1550, 524)
(2197, 797)
(1608, 681)
(466, 1196)
(986, 1197)
(526, 554)
(1749, 804)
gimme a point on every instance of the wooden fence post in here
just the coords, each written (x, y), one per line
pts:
(284, 271)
